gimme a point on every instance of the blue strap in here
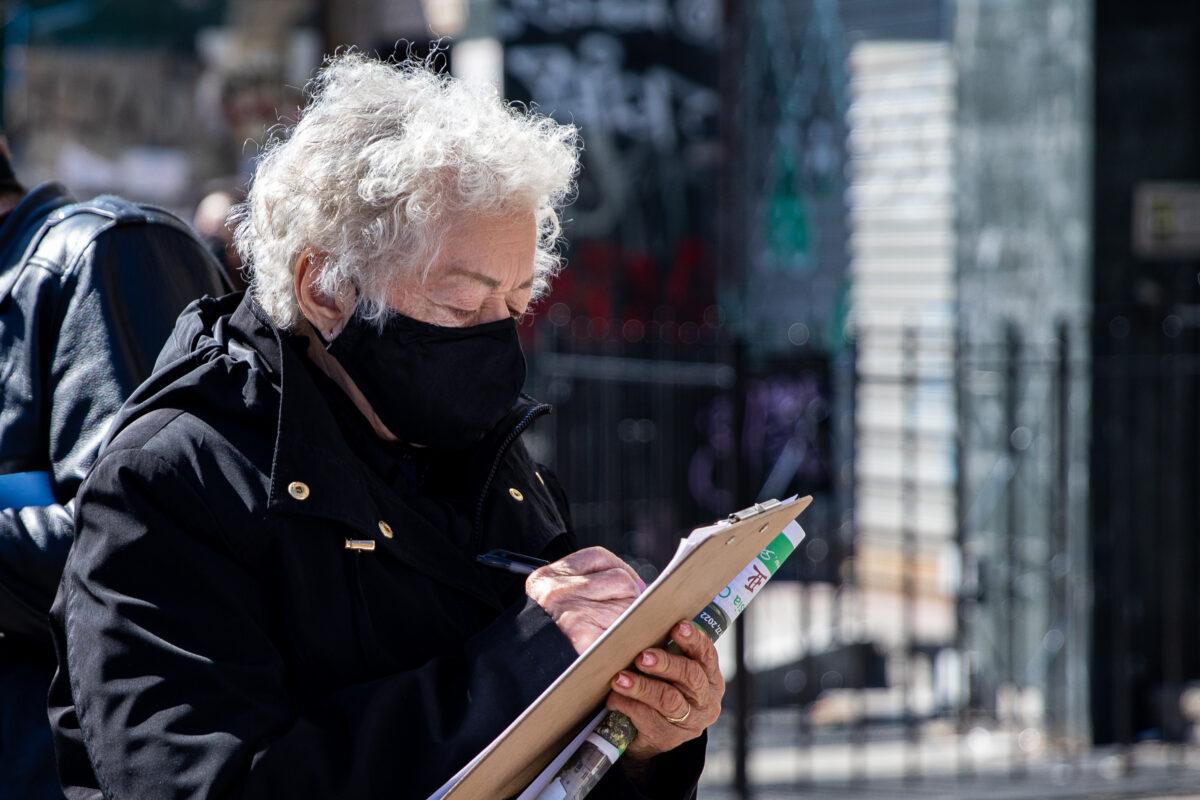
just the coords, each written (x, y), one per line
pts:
(20, 489)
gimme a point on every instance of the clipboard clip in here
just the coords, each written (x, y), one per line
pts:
(754, 510)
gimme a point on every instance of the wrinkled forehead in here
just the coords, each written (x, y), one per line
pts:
(493, 252)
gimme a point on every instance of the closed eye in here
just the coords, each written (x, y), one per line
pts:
(467, 315)
(460, 313)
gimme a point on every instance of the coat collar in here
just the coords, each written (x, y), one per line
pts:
(309, 448)
(21, 228)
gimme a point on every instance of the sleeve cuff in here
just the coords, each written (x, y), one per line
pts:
(528, 646)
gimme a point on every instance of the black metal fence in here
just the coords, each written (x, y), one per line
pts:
(939, 624)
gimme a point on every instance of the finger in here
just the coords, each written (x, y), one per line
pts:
(610, 584)
(585, 561)
(586, 613)
(687, 674)
(607, 612)
(655, 734)
(652, 728)
(589, 560)
(695, 645)
(583, 626)
(659, 695)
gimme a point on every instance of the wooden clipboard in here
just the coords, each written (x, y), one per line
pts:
(717, 554)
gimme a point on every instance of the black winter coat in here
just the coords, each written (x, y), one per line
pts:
(89, 292)
(249, 612)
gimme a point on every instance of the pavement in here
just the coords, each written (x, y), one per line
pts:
(939, 764)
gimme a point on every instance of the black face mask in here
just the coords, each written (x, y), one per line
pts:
(434, 386)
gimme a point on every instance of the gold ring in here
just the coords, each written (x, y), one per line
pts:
(679, 720)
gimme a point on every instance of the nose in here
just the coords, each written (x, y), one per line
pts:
(493, 308)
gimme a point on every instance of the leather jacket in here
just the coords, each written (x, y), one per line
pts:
(88, 295)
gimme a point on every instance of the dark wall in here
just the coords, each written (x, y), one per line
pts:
(641, 82)
(1145, 510)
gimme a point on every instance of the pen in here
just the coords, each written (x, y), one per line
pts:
(510, 561)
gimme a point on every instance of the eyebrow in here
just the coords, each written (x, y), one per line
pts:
(486, 280)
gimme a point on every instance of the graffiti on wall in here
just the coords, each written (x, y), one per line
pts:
(640, 81)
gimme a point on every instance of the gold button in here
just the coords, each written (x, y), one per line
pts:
(541, 480)
(385, 529)
(516, 494)
(298, 490)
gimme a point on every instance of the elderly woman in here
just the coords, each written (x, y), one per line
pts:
(273, 590)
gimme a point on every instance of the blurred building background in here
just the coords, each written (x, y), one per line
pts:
(936, 262)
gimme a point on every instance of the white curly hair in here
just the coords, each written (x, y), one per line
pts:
(380, 157)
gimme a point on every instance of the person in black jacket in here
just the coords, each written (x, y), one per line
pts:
(88, 295)
(273, 590)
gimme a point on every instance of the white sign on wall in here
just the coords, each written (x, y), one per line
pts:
(1166, 220)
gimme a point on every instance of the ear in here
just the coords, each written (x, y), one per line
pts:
(325, 313)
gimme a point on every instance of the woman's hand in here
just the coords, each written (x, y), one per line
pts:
(584, 593)
(675, 697)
